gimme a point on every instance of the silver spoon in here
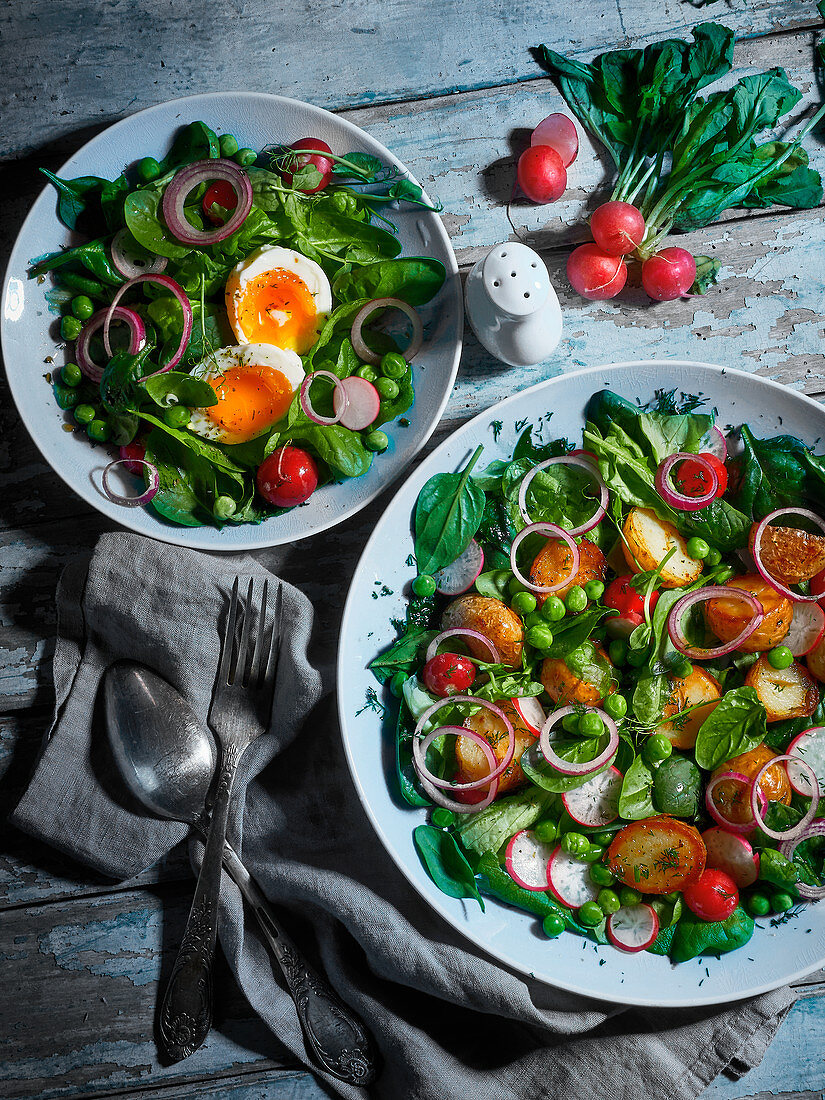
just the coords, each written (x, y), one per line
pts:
(167, 760)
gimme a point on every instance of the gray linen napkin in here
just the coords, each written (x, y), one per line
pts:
(449, 1022)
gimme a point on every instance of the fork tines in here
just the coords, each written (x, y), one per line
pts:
(239, 663)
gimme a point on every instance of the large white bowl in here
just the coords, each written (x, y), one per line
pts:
(774, 955)
(30, 337)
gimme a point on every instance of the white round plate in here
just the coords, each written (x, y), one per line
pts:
(775, 955)
(30, 337)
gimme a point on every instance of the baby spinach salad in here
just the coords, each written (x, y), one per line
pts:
(241, 325)
(609, 678)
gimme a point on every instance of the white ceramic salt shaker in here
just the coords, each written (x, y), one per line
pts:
(511, 306)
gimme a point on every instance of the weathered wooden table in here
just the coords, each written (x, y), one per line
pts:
(452, 89)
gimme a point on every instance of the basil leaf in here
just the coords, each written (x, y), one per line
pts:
(445, 863)
(447, 515)
(737, 724)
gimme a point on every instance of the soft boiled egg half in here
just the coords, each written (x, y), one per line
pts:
(277, 296)
(254, 384)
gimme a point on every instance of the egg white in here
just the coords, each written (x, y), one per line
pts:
(272, 258)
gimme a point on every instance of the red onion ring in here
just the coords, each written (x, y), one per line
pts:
(810, 813)
(787, 849)
(130, 463)
(551, 530)
(127, 264)
(340, 393)
(364, 353)
(432, 648)
(676, 499)
(177, 292)
(716, 813)
(713, 591)
(137, 334)
(565, 766)
(186, 180)
(567, 460)
(806, 513)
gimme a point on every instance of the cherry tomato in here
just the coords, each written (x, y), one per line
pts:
(818, 587)
(448, 674)
(132, 454)
(713, 896)
(692, 479)
(623, 597)
(287, 477)
(322, 163)
(219, 193)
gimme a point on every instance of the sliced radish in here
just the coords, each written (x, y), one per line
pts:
(596, 802)
(817, 584)
(569, 879)
(559, 132)
(622, 626)
(356, 403)
(806, 630)
(526, 860)
(461, 574)
(633, 927)
(531, 711)
(810, 747)
(716, 444)
(733, 854)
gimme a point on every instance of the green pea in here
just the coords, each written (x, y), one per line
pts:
(85, 414)
(245, 157)
(523, 603)
(387, 389)
(601, 876)
(424, 585)
(594, 589)
(82, 307)
(713, 556)
(780, 657)
(148, 169)
(224, 507)
(442, 817)
(516, 586)
(628, 896)
(609, 901)
(228, 144)
(656, 749)
(393, 365)
(70, 327)
(540, 636)
(98, 431)
(71, 375)
(617, 651)
(636, 657)
(376, 441)
(368, 372)
(553, 609)
(593, 853)
(66, 396)
(533, 619)
(177, 416)
(574, 844)
(553, 925)
(697, 548)
(576, 599)
(615, 706)
(591, 725)
(571, 722)
(781, 902)
(547, 830)
(591, 914)
(601, 836)
(758, 905)
(397, 683)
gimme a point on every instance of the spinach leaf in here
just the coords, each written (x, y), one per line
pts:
(809, 860)
(413, 279)
(657, 434)
(175, 499)
(447, 515)
(573, 630)
(736, 724)
(77, 198)
(774, 868)
(341, 449)
(695, 937)
(445, 863)
(193, 142)
(780, 734)
(200, 447)
(404, 655)
(404, 768)
(544, 775)
(178, 388)
(141, 211)
(495, 882)
(488, 829)
(635, 801)
(775, 473)
(118, 384)
(493, 583)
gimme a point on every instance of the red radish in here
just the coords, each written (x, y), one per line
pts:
(559, 132)
(594, 274)
(818, 585)
(461, 574)
(810, 747)
(569, 879)
(526, 860)
(633, 927)
(618, 228)
(541, 174)
(806, 629)
(596, 802)
(531, 711)
(733, 854)
(622, 626)
(363, 403)
(669, 274)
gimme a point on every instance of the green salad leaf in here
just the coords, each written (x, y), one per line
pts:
(447, 515)
(445, 863)
(737, 724)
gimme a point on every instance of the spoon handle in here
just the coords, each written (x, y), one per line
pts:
(334, 1034)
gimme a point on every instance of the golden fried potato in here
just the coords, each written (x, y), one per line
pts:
(472, 763)
(733, 800)
(689, 691)
(728, 617)
(789, 555)
(492, 618)
(815, 660)
(657, 855)
(564, 686)
(648, 539)
(554, 560)
(784, 692)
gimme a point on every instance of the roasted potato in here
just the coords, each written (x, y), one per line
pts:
(554, 560)
(492, 618)
(648, 539)
(815, 660)
(728, 617)
(689, 691)
(784, 692)
(789, 555)
(732, 799)
(564, 686)
(657, 855)
(472, 763)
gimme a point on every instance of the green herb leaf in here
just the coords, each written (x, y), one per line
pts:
(447, 515)
(737, 724)
(635, 801)
(695, 937)
(445, 863)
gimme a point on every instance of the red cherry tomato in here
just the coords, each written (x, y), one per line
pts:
(219, 193)
(713, 896)
(448, 674)
(322, 163)
(287, 477)
(132, 454)
(818, 587)
(623, 597)
(692, 479)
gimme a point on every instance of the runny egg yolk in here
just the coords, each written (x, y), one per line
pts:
(276, 307)
(250, 400)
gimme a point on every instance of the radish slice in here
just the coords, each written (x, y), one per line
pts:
(788, 847)
(810, 813)
(733, 854)
(716, 444)
(462, 632)
(596, 802)
(569, 879)
(716, 813)
(531, 712)
(622, 626)
(551, 531)
(356, 403)
(805, 513)
(633, 927)
(565, 766)
(567, 460)
(461, 574)
(526, 860)
(559, 132)
(810, 747)
(806, 629)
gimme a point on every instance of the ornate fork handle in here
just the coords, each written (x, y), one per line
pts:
(186, 1010)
